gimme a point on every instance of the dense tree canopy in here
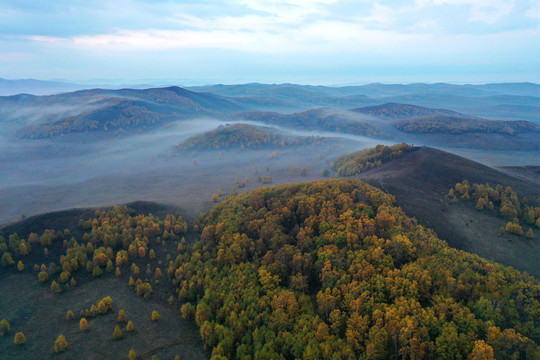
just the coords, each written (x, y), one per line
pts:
(459, 125)
(360, 161)
(243, 136)
(333, 270)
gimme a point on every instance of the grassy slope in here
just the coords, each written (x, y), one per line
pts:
(31, 307)
(421, 179)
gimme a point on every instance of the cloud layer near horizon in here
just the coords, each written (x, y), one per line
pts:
(313, 41)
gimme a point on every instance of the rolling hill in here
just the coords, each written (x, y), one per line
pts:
(312, 270)
(394, 111)
(315, 119)
(420, 181)
(243, 136)
(457, 125)
(113, 111)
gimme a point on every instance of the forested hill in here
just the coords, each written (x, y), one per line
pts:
(243, 136)
(117, 111)
(456, 125)
(333, 270)
(394, 111)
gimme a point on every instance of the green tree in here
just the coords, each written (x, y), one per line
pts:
(122, 316)
(7, 259)
(481, 351)
(4, 327)
(117, 333)
(83, 324)
(19, 338)
(61, 344)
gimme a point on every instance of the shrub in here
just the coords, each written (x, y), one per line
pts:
(102, 307)
(19, 338)
(97, 272)
(83, 324)
(61, 344)
(144, 289)
(130, 327)
(4, 327)
(55, 287)
(43, 276)
(122, 316)
(117, 333)
(187, 310)
(132, 355)
(155, 315)
(110, 266)
(20, 265)
(513, 227)
(69, 315)
(7, 260)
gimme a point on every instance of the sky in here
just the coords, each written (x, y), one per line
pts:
(332, 42)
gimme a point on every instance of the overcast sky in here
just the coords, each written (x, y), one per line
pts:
(315, 42)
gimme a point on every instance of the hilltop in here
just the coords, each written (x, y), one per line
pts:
(243, 136)
(117, 111)
(394, 111)
(420, 181)
(316, 119)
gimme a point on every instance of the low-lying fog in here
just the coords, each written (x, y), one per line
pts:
(87, 170)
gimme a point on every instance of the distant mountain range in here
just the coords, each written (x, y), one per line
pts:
(377, 90)
(434, 113)
(118, 110)
(394, 111)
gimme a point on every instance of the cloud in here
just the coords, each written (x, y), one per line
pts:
(534, 10)
(303, 35)
(46, 39)
(487, 11)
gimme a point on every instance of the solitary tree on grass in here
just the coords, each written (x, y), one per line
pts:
(4, 327)
(61, 344)
(122, 316)
(117, 333)
(19, 338)
(83, 324)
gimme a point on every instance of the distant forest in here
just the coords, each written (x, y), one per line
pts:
(454, 125)
(243, 136)
(360, 161)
